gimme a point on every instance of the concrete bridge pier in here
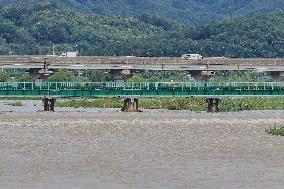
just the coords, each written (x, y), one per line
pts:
(48, 104)
(44, 73)
(130, 105)
(213, 105)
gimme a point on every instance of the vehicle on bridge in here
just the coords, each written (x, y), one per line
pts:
(192, 57)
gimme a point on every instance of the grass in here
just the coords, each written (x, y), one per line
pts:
(193, 104)
(276, 131)
(16, 103)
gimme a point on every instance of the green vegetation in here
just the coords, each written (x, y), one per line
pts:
(64, 75)
(193, 104)
(10, 76)
(256, 35)
(161, 76)
(241, 76)
(25, 78)
(97, 103)
(81, 76)
(99, 75)
(276, 131)
(4, 76)
(237, 104)
(187, 11)
(16, 103)
(39, 26)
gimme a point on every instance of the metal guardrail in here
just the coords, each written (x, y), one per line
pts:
(140, 60)
(139, 85)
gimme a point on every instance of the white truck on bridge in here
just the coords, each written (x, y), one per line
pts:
(192, 57)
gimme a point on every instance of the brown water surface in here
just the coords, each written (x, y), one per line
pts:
(153, 149)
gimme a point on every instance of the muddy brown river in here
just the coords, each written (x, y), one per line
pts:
(154, 149)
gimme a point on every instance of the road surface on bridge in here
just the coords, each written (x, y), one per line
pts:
(142, 63)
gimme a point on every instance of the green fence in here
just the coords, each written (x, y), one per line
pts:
(147, 89)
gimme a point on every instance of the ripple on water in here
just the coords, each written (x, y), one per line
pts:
(145, 150)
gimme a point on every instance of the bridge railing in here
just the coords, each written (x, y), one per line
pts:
(141, 85)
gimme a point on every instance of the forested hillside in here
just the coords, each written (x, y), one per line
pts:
(186, 11)
(33, 30)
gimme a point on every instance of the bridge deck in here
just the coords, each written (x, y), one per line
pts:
(142, 89)
(142, 63)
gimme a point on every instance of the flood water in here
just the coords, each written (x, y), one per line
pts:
(105, 148)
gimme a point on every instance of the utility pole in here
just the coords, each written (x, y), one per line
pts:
(53, 51)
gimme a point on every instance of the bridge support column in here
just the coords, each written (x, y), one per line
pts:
(213, 105)
(48, 104)
(130, 105)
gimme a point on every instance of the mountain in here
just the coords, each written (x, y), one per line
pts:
(186, 11)
(34, 30)
(256, 35)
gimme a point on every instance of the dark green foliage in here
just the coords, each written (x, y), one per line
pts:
(237, 76)
(161, 76)
(25, 78)
(259, 35)
(4, 76)
(187, 11)
(33, 30)
(63, 75)
(136, 78)
(99, 75)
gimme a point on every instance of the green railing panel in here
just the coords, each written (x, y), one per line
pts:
(96, 89)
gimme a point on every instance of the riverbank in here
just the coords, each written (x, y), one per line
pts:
(115, 104)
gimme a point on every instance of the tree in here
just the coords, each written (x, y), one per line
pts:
(25, 78)
(39, 25)
(62, 75)
(136, 78)
(99, 76)
(237, 76)
(4, 76)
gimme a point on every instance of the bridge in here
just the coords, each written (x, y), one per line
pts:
(131, 91)
(142, 63)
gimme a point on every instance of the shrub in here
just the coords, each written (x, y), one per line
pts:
(16, 103)
(276, 131)
(193, 104)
